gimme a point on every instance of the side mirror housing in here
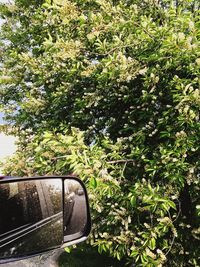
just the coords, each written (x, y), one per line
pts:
(38, 214)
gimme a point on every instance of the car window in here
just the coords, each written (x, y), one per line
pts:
(27, 203)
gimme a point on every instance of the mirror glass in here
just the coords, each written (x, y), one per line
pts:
(31, 217)
(75, 210)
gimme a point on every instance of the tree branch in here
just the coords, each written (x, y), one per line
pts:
(109, 162)
(120, 161)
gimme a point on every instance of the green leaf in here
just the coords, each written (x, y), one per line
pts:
(93, 182)
(172, 204)
(133, 201)
(152, 243)
(68, 249)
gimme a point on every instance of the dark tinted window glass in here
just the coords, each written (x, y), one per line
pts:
(31, 217)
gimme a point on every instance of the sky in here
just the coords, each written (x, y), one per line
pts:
(1, 119)
(4, 1)
(7, 144)
(7, 147)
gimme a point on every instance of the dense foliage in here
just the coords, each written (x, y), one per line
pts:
(109, 90)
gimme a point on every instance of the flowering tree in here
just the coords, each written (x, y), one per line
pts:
(109, 90)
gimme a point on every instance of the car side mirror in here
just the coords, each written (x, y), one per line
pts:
(38, 214)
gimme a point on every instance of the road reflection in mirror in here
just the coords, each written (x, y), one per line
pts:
(30, 211)
(75, 212)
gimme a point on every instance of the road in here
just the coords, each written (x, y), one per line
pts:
(48, 259)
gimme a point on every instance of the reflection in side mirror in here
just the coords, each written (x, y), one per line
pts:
(30, 210)
(39, 214)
